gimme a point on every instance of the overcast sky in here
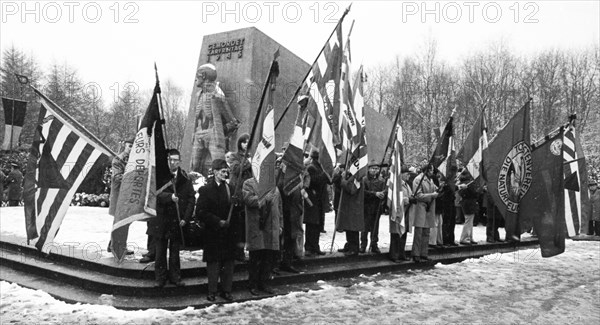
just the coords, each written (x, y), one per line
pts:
(112, 43)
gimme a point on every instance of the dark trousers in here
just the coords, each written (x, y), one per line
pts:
(219, 269)
(448, 225)
(13, 203)
(364, 235)
(311, 244)
(288, 243)
(491, 227)
(511, 225)
(460, 217)
(150, 243)
(420, 242)
(160, 267)
(397, 246)
(352, 240)
(594, 228)
(259, 267)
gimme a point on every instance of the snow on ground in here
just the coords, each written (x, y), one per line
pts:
(512, 288)
(91, 226)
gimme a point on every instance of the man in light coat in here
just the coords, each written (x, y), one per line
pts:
(423, 212)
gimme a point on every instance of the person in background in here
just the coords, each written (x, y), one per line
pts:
(212, 208)
(264, 220)
(174, 208)
(2, 179)
(351, 215)
(118, 164)
(241, 170)
(375, 190)
(293, 233)
(494, 218)
(446, 200)
(314, 211)
(423, 212)
(594, 212)
(397, 233)
(436, 239)
(15, 185)
(468, 194)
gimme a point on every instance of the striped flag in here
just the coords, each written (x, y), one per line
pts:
(471, 154)
(14, 118)
(146, 172)
(61, 155)
(323, 90)
(395, 196)
(292, 164)
(263, 137)
(358, 148)
(575, 181)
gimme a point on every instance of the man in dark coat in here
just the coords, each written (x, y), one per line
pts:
(15, 185)
(318, 196)
(174, 208)
(375, 190)
(213, 209)
(351, 213)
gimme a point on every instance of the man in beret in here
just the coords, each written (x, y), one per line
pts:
(375, 190)
(212, 209)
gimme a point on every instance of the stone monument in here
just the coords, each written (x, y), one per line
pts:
(241, 59)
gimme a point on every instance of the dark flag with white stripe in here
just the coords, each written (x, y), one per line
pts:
(14, 118)
(61, 156)
(575, 181)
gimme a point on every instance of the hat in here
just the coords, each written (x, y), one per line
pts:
(373, 163)
(314, 154)
(464, 175)
(15, 165)
(218, 164)
(404, 169)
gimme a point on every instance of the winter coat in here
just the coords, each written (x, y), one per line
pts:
(317, 194)
(422, 213)
(166, 222)
(595, 205)
(15, 185)
(213, 206)
(239, 159)
(373, 205)
(118, 165)
(351, 213)
(264, 218)
(395, 227)
(468, 200)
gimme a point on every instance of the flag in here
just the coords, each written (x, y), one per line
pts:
(146, 172)
(395, 196)
(292, 162)
(322, 87)
(358, 143)
(575, 182)
(61, 156)
(263, 137)
(14, 118)
(471, 154)
(543, 203)
(443, 157)
(508, 167)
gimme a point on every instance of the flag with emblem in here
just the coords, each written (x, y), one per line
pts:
(543, 203)
(262, 141)
(508, 167)
(61, 155)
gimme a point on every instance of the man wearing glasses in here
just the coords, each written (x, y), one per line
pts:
(213, 208)
(174, 207)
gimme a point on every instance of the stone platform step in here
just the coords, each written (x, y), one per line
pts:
(132, 286)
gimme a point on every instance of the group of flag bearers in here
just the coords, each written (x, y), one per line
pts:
(539, 185)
